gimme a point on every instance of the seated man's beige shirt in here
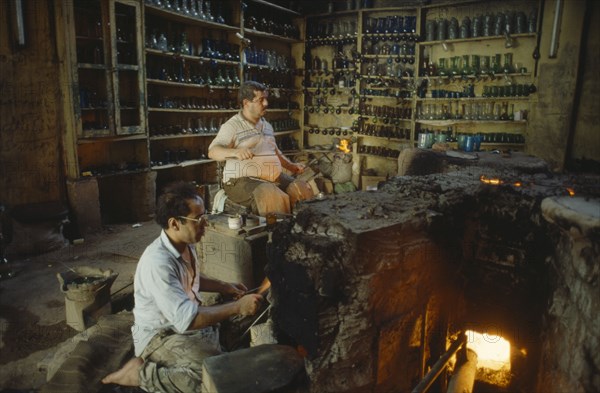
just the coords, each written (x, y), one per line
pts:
(237, 133)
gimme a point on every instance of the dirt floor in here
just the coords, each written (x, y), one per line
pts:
(32, 306)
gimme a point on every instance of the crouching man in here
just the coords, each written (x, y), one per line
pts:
(173, 333)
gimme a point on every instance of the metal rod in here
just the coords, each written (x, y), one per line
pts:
(440, 365)
(555, 29)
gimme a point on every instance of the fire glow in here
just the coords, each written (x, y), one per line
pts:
(493, 352)
(492, 181)
(343, 146)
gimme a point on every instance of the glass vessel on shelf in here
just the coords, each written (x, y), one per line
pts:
(507, 68)
(442, 71)
(454, 71)
(475, 64)
(466, 68)
(484, 65)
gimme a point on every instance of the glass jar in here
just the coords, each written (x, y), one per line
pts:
(477, 26)
(499, 24)
(465, 28)
(442, 31)
(453, 29)
(430, 30)
(484, 65)
(488, 25)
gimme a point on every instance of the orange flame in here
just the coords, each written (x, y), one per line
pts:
(571, 191)
(517, 184)
(343, 146)
(492, 181)
(264, 286)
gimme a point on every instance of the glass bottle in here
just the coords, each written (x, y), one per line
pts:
(442, 71)
(495, 66)
(466, 68)
(508, 68)
(184, 47)
(475, 64)
(484, 65)
(454, 71)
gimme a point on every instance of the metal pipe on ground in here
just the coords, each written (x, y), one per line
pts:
(440, 365)
(463, 378)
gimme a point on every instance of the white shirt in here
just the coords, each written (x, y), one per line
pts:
(165, 292)
(237, 132)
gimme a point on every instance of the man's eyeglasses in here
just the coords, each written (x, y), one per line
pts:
(260, 99)
(200, 220)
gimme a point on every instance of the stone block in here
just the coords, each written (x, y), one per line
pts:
(264, 368)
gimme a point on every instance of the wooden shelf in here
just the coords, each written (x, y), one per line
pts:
(111, 138)
(210, 111)
(445, 123)
(519, 98)
(200, 59)
(264, 34)
(181, 84)
(500, 75)
(383, 138)
(118, 173)
(180, 136)
(477, 39)
(276, 6)
(178, 17)
(183, 164)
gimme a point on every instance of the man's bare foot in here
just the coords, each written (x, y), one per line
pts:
(128, 375)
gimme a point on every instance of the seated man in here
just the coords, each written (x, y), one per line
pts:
(173, 332)
(253, 169)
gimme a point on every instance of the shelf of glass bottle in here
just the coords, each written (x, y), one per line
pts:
(269, 68)
(209, 111)
(182, 164)
(180, 136)
(478, 77)
(366, 78)
(275, 6)
(199, 59)
(475, 99)
(387, 56)
(398, 37)
(181, 84)
(178, 17)
(407, 99)
(280, 110)
(331, 40)
(331, 110)
(379, 118)
(110, 138)
(485, 145)
(359, 135)
(264, 34)
(344, 90)
(477, 39)
(450, 122)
